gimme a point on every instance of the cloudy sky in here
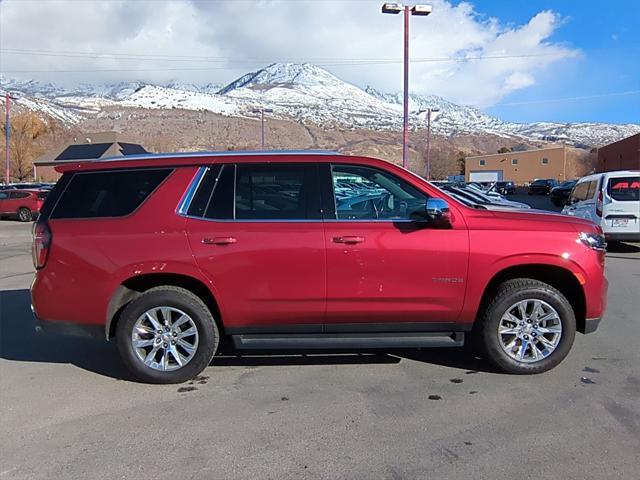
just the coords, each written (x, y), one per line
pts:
(520, 60)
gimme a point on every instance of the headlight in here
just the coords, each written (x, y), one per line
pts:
(593, 240)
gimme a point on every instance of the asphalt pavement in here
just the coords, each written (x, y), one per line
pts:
(68, 410)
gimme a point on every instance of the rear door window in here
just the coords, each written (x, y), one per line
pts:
(17, 195)
(107, 193)
(579, 192)
(624, 189)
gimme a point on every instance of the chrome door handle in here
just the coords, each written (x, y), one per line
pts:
(351, 239)
(219, 241)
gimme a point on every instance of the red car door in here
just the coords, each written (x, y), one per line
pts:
(256, 231)
(4, 201)
(383, 266)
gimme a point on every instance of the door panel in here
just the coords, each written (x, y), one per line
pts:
(260, 241)
(401, 269)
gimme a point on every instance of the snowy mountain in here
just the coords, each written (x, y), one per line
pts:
(305, 93)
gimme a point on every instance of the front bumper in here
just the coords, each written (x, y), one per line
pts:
(591, 325)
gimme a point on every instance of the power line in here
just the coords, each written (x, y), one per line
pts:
(567, 99)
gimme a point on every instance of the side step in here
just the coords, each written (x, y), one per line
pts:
(348, 340)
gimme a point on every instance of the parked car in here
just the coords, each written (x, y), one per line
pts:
(560, 194)
(482, 199)
(24, 205)
(505, 188)
(611, 200)
(174, 254)
(542, 186)
(484, 190)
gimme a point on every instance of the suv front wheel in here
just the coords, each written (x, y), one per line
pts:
(166, 335)
(528, 327)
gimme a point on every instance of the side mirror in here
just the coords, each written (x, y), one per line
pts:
(437, 211)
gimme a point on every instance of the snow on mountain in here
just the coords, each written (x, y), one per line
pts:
(306, 93)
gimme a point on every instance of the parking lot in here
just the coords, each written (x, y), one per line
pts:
(69, 411)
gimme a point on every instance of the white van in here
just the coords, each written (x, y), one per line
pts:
(610, 199)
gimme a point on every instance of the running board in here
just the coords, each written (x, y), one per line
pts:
(348, 340)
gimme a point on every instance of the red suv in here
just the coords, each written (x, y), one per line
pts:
(173, 254)
(21, 204)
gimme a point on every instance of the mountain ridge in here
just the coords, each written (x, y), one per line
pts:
(306, 93)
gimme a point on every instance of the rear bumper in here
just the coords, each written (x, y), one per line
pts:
(591, 325)
(58, 327)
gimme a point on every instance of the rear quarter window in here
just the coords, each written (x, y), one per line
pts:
(107, 193)
(624, 189)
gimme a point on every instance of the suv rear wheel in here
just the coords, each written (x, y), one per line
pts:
(166, 335)
(528, 327)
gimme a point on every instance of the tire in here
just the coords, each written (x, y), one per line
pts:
(24, 214)
(182, 303)
(492, 345)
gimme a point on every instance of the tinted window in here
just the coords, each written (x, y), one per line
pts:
(4, 195)
(363, 193)
(201, 198)
(220, 204)
(19, 195)
(272, 191)
(592, 189)
(624, 189)
(107, 194)
(43, 195)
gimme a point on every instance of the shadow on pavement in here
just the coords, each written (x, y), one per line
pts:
(620, 247)
(19, 342)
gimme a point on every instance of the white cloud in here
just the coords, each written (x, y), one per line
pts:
(240, 36)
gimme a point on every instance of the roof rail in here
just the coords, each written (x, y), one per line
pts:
(230, 153)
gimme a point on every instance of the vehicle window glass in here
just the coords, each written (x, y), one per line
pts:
(4, 196)
(274, 192)
(364, 193)
(592, 189)
(579, 192)
(43, 195)
(199, 201)
(19, 195)
(107, 193)
(624, 189)
(220, 203)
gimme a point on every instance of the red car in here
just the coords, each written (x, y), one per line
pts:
(21, 204)
(173, 254)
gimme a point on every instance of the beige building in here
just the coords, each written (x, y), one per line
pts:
(519, 167)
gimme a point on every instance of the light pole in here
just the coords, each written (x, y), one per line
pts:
(7, 136)
(420, 10)
(262, 111)
(428, 111)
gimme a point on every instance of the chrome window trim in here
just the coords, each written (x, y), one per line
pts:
(187, 197)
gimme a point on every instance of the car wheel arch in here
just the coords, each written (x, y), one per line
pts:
(133, 287)
(558, 277)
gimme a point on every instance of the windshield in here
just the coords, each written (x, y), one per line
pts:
(568, 183)
(624, 189)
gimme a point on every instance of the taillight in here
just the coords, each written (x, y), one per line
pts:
(41, 244)
(599, 204)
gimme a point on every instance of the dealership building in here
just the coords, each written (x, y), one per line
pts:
(519, 167)
(621, 155)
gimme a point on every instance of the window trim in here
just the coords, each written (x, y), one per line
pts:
(542, 161)
(482, 162)
(92, 172)
(514, 161)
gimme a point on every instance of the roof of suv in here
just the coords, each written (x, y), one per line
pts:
(177, 159)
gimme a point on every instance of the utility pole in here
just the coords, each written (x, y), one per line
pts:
(7, 136)
(429, 112)
(262, 111)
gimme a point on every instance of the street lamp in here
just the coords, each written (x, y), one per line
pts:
(419, 10)
(262, 111)
(7, 134)
(429, 112)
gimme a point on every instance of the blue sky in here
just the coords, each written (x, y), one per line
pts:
(555, 49)
(608, 37)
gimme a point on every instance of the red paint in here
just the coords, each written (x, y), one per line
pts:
(278, 273)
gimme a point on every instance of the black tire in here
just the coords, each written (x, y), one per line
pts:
(486, 337)
(184, 300)
(24, 214)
